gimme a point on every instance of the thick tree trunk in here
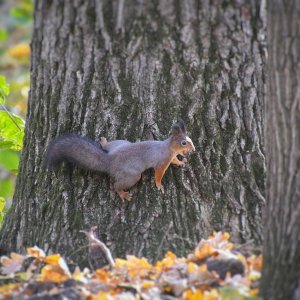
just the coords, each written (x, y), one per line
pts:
(129, 70)
(281, 272)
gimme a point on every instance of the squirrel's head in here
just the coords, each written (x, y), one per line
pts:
(181, 143)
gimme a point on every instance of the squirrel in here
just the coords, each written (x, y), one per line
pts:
(115, 144)
(122, 160)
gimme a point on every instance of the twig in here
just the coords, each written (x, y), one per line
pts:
(94, 242)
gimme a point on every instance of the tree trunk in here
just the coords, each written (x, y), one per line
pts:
(129, 70)
(281, 272)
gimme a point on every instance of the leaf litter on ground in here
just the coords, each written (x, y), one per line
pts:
(216, 270)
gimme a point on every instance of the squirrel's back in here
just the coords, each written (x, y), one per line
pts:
(78, 150)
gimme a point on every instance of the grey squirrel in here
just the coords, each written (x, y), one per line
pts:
(116, 144)
(122, 160)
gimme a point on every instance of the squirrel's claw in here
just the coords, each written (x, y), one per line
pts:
(128, 196)
(183, 162)
(161, 188)
(179, 163)
(124, 195)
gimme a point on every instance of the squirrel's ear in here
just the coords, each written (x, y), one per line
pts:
(178, 128)
(181, 125)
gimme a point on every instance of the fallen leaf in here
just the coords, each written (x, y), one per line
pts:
(36, 252)
(13, 264)
(57, 260)
(190, 295)
(9, 290)
(53, 273)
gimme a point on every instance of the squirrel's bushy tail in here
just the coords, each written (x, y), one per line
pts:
(78, 150)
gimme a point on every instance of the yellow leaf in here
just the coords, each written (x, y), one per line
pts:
(102, 296)
(254, 292)
(134, 266)
(204, 251)
(167, 289)
(53, 259)
(225, 236)
(211, 295)
(80, 275)
(19, 51)
(254, 275)
(197, 295)
(101, 275)
(7, 290)
(147, 284)
(258, 263)
(120, 262)
(229, 246)
(170, 255)
(191, 267)
(168, 261)
(53, 273)
(255, 262)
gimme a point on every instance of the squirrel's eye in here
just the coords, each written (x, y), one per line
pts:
(183, 143)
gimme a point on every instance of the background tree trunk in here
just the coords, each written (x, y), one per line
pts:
(129, 70)
(281, 272)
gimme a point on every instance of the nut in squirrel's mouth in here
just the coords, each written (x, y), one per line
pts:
(186, 153)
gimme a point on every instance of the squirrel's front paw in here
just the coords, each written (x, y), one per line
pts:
(183, 162)
(103, 141)
(161, 188)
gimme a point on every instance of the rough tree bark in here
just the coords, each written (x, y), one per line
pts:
(129, 70)
(281, 271)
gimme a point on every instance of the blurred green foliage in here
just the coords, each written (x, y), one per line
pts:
(4, 89)
(15, 36)
(11, 131)
(234, 293)
(2, 209)
(23, 12)
(9, 159)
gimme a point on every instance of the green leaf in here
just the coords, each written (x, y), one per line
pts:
(4, 89)
(3, 35)
(11, 131)
(6, 188)
(2, 204)
(9, 159)
(4, 145)
(3, 209)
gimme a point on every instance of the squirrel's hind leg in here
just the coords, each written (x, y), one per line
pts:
(124, 183)
(124, 195)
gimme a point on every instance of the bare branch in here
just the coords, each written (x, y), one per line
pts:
(94, 242)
